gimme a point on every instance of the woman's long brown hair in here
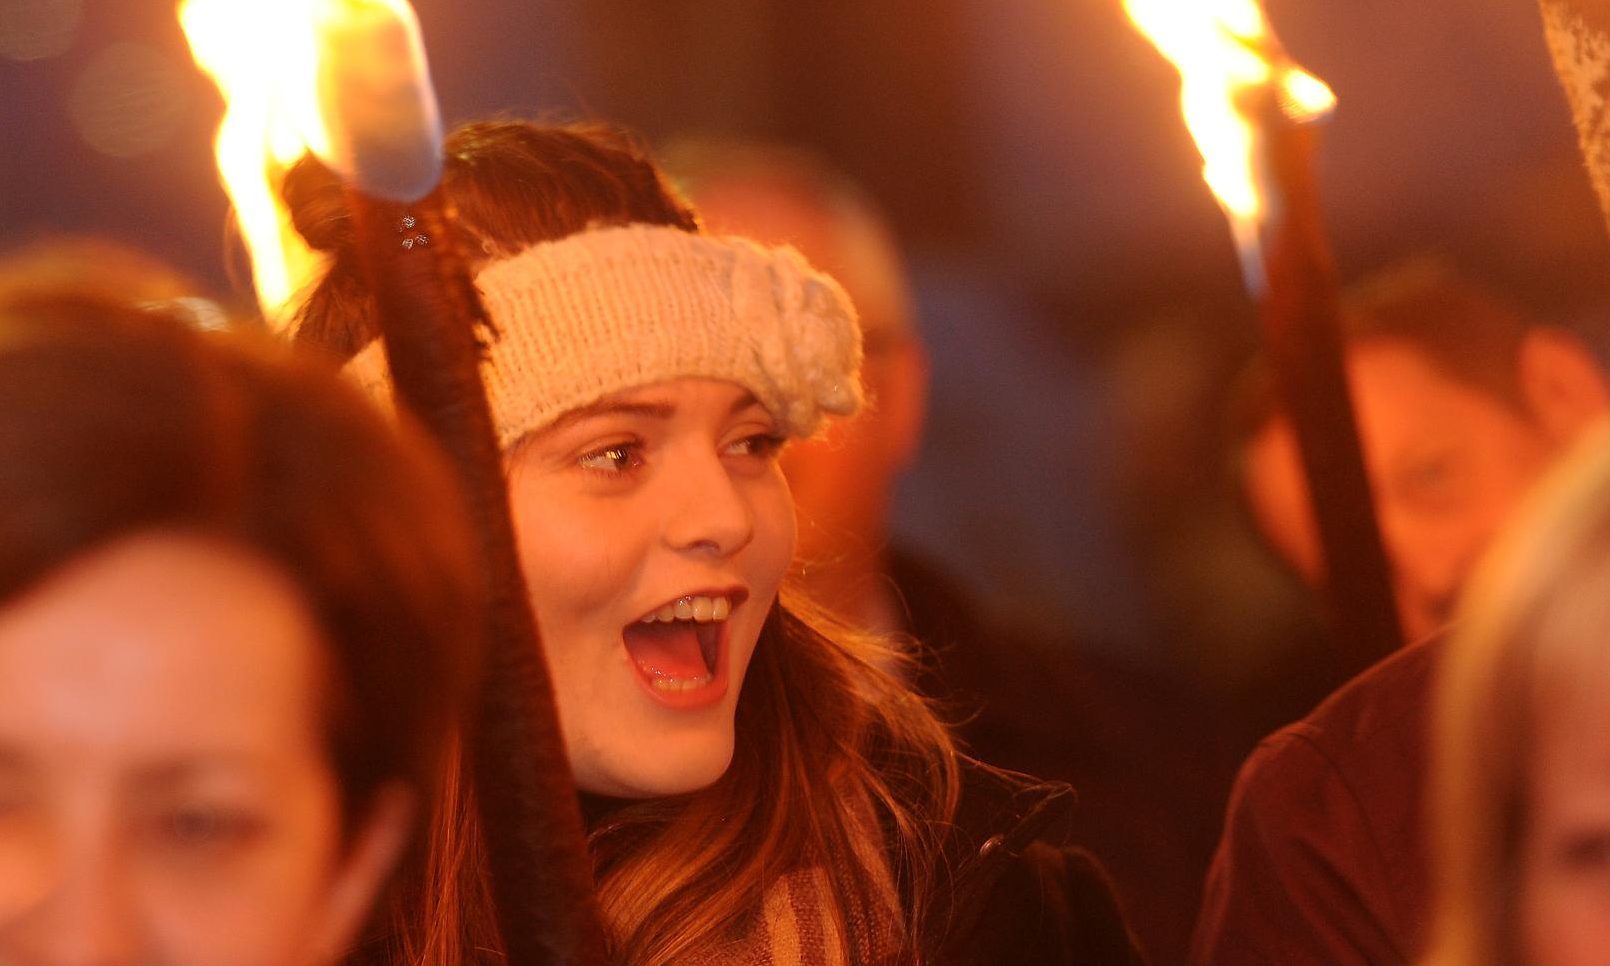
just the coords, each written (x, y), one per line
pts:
(837, 765)
(827, 739)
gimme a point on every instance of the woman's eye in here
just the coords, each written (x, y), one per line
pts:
(1432, 473)
(1586, 852)
(203, 828)
(13, 802)
(1434, 483)
(618, 458)
(760, 445)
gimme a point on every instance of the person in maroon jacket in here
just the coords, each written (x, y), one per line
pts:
(1462, 404)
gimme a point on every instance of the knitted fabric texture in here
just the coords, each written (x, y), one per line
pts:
(808, 917)
(1578, 34)
(800, 924)
(611, 309)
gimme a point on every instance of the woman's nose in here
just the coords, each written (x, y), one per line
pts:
(708, 510)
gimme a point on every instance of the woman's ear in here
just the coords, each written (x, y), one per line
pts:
(1562, 383)
(377, 846)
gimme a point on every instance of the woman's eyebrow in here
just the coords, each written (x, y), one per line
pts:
(650, 408)
(654, 410)
(187, 767)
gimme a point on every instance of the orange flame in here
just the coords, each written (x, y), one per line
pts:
(263, 56)
(1228, 58)
(269, 59)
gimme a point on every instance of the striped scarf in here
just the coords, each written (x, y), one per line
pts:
(799, 924)
(803, 920)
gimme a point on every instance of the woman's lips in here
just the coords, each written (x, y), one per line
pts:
(681, 662)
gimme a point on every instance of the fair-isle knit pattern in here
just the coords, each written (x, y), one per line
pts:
(1578, 34)
(611, 309)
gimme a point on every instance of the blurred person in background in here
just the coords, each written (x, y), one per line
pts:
(1522, 736)
(1131, 746)
(1462, 404)
(238, 615)
(844, 480)
(1521, 753)
(97, 267)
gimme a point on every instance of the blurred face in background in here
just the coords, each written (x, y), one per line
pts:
(1448, 463)
(1564, 907)
(166, 793)
(843, 481)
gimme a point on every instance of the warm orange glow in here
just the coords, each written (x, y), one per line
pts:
(274, 62)
(1228, 60)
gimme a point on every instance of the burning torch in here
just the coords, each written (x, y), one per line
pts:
(347, 80)
(1252, 113)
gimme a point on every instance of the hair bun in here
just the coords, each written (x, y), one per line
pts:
(318, 205)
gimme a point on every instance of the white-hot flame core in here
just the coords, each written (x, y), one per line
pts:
(1305, 97)
(1226, 55)
(264, 55)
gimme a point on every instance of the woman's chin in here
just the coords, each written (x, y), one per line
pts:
(656, 770)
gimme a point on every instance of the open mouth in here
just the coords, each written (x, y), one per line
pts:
(679, 649)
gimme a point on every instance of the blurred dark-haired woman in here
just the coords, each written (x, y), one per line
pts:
(238, 615)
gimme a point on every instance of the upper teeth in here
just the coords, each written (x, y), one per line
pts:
(700, 609)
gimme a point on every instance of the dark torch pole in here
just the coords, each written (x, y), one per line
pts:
(541, 876)
(1300, 318)
(378, 127)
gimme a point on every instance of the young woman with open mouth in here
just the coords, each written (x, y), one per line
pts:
(757, 789)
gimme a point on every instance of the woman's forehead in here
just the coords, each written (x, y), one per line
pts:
(162, 640)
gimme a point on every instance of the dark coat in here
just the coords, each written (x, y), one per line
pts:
(1013, 893)
(1152, 762)
(1324, 859)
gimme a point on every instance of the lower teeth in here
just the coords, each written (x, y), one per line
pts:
(680, 684)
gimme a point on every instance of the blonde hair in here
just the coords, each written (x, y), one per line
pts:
(1531, 636)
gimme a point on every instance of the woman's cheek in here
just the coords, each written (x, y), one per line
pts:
(573, 557)
(778, 521)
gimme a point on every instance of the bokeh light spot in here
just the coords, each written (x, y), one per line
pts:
(36, 29)
(129, 101)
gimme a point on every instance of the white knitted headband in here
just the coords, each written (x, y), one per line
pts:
(611, 309)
